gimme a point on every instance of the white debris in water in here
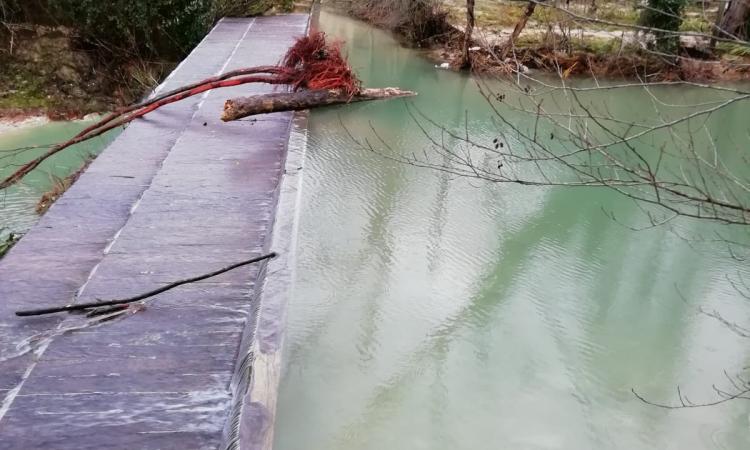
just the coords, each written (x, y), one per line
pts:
(444, 65)
(522, 68)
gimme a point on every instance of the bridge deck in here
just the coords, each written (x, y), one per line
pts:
(178, 193)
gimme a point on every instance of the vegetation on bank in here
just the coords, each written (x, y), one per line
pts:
(68, 58)
(420, 22)
(668, 39)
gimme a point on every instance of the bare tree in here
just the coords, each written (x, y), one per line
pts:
(736, 20)
(520, 25)
(468, 32)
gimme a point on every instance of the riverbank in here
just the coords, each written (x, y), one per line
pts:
(598, 39)
(45, 71)
(11, 123)
(558, 40)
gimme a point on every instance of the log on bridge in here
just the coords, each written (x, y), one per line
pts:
(177, 194)
(238, 108)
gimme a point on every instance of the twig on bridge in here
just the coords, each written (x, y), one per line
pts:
(143, 296)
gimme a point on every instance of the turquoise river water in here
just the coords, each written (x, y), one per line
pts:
(17, 204)
(434, 312)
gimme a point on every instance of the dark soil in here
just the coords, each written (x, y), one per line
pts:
(44, 70)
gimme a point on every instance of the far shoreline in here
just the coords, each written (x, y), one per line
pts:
(11, 124)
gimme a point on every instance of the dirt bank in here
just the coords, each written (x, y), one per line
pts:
(615, 61)
(45, 71)
(553, 42)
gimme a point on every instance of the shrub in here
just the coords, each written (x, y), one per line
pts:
(168, 28)
(163, 28)
(416, 20)
(734, 49)
(664, 15)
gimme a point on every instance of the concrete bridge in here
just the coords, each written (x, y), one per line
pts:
(177, 194)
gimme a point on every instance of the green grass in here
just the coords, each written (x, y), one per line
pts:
(491, 14)
(625, 14)
(505, 14)
(695, 24)
(729, 48)
(23, 101)
(7, 242)
(21, 89)
(597, 45)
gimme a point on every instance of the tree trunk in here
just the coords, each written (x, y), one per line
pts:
(466, 56)
(717, 25)
(518, 29)
(237, 108)
(735, 20)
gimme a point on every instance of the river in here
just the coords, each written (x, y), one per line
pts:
(434, 312)
(17, 204)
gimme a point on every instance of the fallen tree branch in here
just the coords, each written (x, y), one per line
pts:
(274, 70)
(129, 114)
(145, 295)
(310, 65)
(237, 108)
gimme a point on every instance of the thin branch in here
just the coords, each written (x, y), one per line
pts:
(685, 403)
(145, 295)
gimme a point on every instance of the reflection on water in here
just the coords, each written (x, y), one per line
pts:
(18, 146)
(437, 313)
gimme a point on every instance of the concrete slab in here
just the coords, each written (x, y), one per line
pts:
(175, 195)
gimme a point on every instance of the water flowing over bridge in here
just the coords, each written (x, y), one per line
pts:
(177, 194)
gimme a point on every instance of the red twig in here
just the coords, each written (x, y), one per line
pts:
(108, 123)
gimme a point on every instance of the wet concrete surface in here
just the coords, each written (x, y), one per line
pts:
(169, 199)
